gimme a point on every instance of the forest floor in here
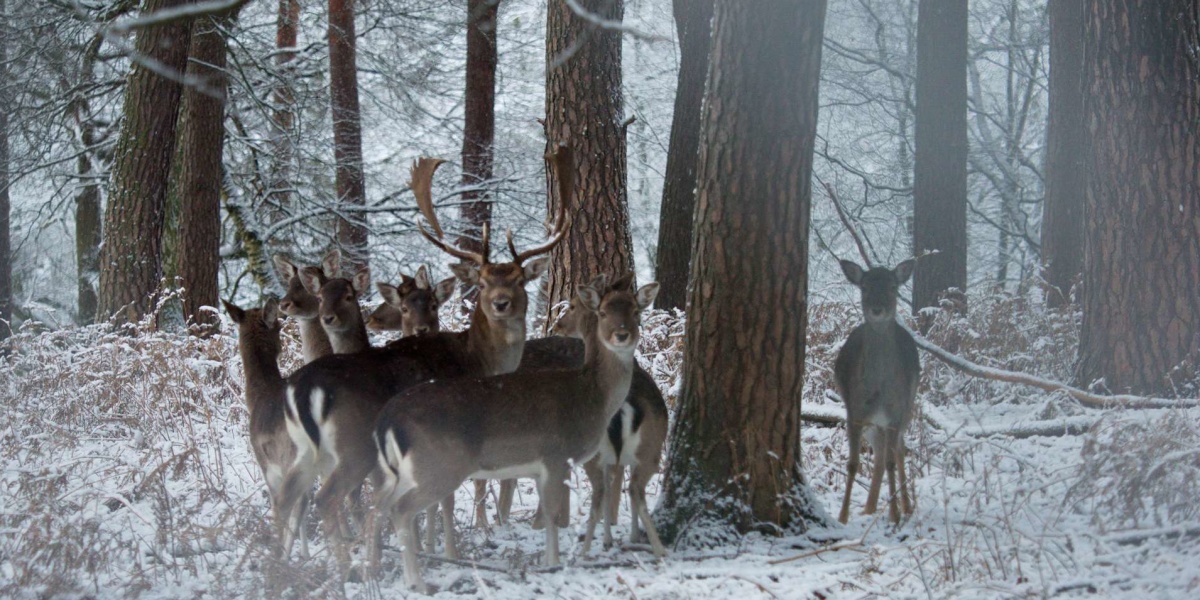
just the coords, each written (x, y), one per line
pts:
(127, 472)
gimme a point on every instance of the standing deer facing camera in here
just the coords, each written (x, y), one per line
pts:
(876, 372)
(411, 307)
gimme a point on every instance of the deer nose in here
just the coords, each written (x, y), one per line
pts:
(501, 305)
(423, 329)
(285, 305)
(328, 319)
(876, 312)
(622, 336)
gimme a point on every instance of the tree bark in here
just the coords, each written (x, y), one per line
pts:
(1141, 266)
(201, 141)
(87, 226)
(735, 445)
(347, 134)
(1062, 210)
(940, 170)
(693, 20)
(479, 127)
(6, 291)
(583, 109)
(283, 116)
(131, 259)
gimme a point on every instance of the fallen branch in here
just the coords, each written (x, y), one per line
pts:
(1087, 399)
(1131, 538)
(825, 414)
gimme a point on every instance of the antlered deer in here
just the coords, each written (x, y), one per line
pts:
(434, 436)
(288, 479)
(876, 372)
(333, 402)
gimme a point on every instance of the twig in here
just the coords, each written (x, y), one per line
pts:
(837, 204)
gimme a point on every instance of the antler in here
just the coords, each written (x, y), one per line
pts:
(564, 169)
(421, 182)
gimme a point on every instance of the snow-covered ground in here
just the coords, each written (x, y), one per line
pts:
(126, 472)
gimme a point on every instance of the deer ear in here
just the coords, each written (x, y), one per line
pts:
(589, 297)
(236, 313)
(444, 289)
(332, 264)
(904, 270)
(623, 283)
(284, 266)
(853, 272)
(422, 278)
(467, 272)
(313, 279)
(270, 312)
(646, 295)
(389, 293)
(362, 281)
(535, 267)
(599, 282)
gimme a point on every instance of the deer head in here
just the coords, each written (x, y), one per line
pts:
(615, 313)
(412, 306)
(880, 287)
(298, 302)
(258, 328)
(337, 297)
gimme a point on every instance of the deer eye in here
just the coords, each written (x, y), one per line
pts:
(603, 314)
(404, 309)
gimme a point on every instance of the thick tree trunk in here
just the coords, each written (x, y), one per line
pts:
(347, 134)
(201, 141)
(283, 116)
(693, 20)
(735, 446)
(583, 109)
(479, 127)
(1141, 266)
(131, 259)
(1062, 211)
(940, 170)
(6, 291)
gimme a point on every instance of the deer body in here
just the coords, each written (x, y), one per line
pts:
(876, 372)
(433, 437)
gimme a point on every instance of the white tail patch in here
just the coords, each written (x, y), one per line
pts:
(397, 468)
(306, 450)
(630, 439)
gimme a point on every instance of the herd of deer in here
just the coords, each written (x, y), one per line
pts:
(425, 413)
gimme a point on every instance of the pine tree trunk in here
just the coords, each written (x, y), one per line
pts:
(1141, 266)
(131, 258)
(674, 252)
(1062, 210)
(737, 435)
(283, 116)
(479, 127)
(201, 141)
(583, 109)
(6, 291)
(347, 134)
(940, 170)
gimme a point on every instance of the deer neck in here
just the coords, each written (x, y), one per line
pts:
(352, 339)
(497, 346)
(261, 369)
(608, 372)
(314, 342)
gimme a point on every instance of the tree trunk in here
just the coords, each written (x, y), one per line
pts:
(1062, 210)
(347, 134)
(674, 252)
(131, 259)
(479, 127)
(1141, 265)
(940, 171)
(583, 109)
(201, 137)
(87, 226)
(735, 446)
(6, 291)
(283, 116)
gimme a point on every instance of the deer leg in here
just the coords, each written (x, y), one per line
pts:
(329, 501)
(901, 458)
(595, 474)
(890, 454)
(551, 490)
(481, 519)
(451, 549)
(406, 519)
(879, 448)
(508, 488)
(637, 497)
(854, 436)
(612, 501)
(430, 533)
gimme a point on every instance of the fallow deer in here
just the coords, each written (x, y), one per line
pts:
(299, 304)
(434, 436)
(288, 479)
(411, 307)
(333, 402)
(876, 372)
(338, 309)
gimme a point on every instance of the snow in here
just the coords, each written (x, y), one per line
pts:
(127, 472)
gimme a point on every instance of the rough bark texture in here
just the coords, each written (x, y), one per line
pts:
(736, 442)
(6, 291)
(201, 137)
(583, 109)
(131, 259)
(1141, 266)
(693, 20)
(940, 170)
(479, 127)
(1062, 211)
(283, 117)
(347, 134)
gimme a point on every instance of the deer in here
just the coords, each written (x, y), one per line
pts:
(301, 305)
(430, 438)
(338, 310)
(288, 477)
(411, 307)
(333, 402)
(876, 372)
